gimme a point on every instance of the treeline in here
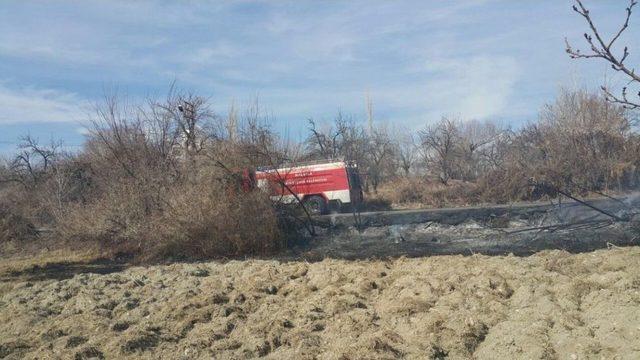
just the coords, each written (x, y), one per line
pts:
(163, 178)
(581, 143)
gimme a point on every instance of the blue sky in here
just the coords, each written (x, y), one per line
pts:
(417, 60)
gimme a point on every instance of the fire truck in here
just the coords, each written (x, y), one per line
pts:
(320, 185)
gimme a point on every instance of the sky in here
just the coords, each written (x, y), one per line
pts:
(416, 60)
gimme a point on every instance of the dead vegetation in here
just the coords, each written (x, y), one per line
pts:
(413, 192)
(582, 144)
(157, 180)
(552, 304)
(163, 178)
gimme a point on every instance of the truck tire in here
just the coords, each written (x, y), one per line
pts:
(316, 205)
(334, 207)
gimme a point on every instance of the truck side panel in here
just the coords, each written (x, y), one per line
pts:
(328, 180)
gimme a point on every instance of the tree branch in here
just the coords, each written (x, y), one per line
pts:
(602, 49)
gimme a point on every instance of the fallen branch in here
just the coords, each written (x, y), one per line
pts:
(550, 189)
(556, 227)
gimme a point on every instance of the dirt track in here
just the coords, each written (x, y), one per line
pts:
(546, 306)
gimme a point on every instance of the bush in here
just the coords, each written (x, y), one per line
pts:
(419, 192)
(155, 183)
(194, 220)
(208, 221)
(14, 226)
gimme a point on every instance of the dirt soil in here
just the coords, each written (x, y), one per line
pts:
(550, 305)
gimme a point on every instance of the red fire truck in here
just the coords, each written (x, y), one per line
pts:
(320, 185)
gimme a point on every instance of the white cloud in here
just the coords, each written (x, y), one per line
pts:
(475, 87)
(418, 59)
(30, 105)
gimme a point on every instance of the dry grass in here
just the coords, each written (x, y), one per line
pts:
(418, 193)
(550, 305)
(25, 262)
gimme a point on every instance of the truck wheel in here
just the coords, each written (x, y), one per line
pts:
(315, 205)
(334, 207)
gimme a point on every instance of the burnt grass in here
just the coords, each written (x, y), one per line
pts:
(349, 294)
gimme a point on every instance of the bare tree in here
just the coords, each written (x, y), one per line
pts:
(326, 144)
(381, 150)
(601, 48)
(194, 119)
(258, 143)
(475, 137)
(34, 161)
(355, 143)
(232, 123)
(492, 155)
(439, 144)
(406, 152)
(160, 128)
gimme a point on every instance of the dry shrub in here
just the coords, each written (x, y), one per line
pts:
(210, 221)
(422, 192)
(581, 143)
(160, 186)
(15, 226)
(504, 186)
(115, 220)
(196, 221)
